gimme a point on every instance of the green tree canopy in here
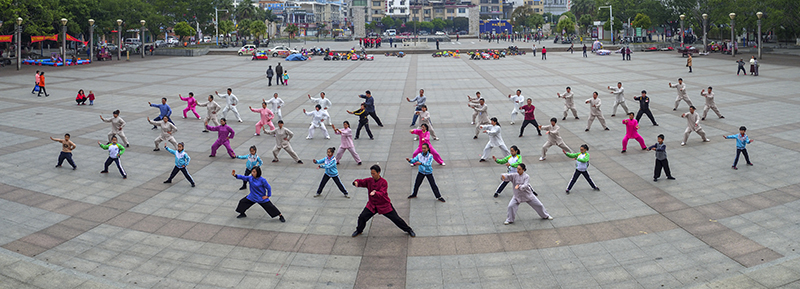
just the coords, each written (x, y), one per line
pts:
(566, 24)
(226, 26)
(535, 21)
(642, 21)
(387, 22)
(292, 30)
(438, 24)
(183, 29)
(258, 28)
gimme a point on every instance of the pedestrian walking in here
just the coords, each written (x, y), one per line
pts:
(628, 52)
(528, 109)
(681, 87)
(369, 105)
(231, 102)
(644, 107)
(36, 87)
(693, 125)
(363, 121)
(115, 151)
(619, 98)
(425, 171)
(534, 50)
(511, 162)
(191, 104)
(285, 77)
(517, 100)
(167, 130)
(253, 160)
(224, 136)
(275, 105)
(631, 132)
(318, 117)
(689, 63)
(568, 103)
(213, 108)
(270, 74)
(41, 85)
(571, 51)
(117, 123)
(91, 97)
(553, 138)
(347, 142)
(378, 202)
(595, 112)
(279, 73)
(66, 151)
(322, 101)
(741, 146)
(163, 111)
(282, 138)
(495, 139)
(523, 193)
(584, 51)
(661, 159)
(266, 118)
(181, 161)
(425, 138)
(544, 53)
(581, 166)
(260, 192)
(710, 104)
(483, 116)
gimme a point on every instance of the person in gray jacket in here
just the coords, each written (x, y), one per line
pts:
(117, 123)
(681, 87)
(661, 159)
(213, 109)
(483, 116)
(282, 138)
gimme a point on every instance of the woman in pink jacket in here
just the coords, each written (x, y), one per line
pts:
(631, 132)
(192, 104)
(347, 142)
(266, 117)
(425, 138)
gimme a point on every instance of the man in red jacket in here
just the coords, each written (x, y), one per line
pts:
(378, 203)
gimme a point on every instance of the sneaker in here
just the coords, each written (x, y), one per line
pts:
(683, 143)
(512, 122)
(507, 223)
(596, 188)
(346, 196)
(412, 234)
(441, 200)
(103, 172)
(308, 137)
(722, 117)
(623, 151)
(735, 168)
(655, 124)
(327, 137)
(577, 117)
(205, 130)
(411, 165)
(520, 135)
(472, 123)
(153, 128)
(275, 161)
(212, 156)
(240, 120)
(74, 168)
(243, 188)
(703, 118)
(242, 215)
(540, 134)
(127, 145)
(443, 164)
(359, 163)
(496, 195)
(371, 138)
(706, 140)
(655, 179)
(564, 118)
(283, 220)
(750, 164)
(548, 218)
(58, 166)
(300, 162)
(168, 181)
(586, 129)
(192, 185)
(317, 195)
(674, 109)
(156, 149)
(613, 115)
(542, 158)
(607, 129)
(482, 160)
(670, 178)
(355, 234)
(475, 137)
(355, 138)
(436, 138)
(255, 134)
(412, 196)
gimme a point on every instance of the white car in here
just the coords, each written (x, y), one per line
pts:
(247, 49)
(281, 51)
(440, 33)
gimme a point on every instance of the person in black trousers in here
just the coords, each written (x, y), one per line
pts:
(270, 74)
(369, 106)
(644, 107)
(363, 121)
(279, 72)
(425, 171)
(661, 159)
(584, 51)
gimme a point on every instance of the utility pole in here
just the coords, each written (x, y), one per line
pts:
(611, 18)
(216, 22)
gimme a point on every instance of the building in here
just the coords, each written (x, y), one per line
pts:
(427, 10)
(536, 5)
(308, 13)
(556, 7)
(398, 9)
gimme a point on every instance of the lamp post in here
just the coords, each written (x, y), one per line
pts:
(733, 44)
(682, 36)
(119, 39)
(19, 42)
(64, 38)
(91, 38)
(610, 18)
(705, 37)
(759, 14)
(142, 35)
(216, 22)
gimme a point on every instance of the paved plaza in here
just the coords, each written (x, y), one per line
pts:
(713, 227)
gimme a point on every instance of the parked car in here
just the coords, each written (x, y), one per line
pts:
(247, 49)
(206, 39)
(390, 32)
(172, 40)
(282, 51)
(462, 32)
(687, 50)
(423, 32)
(160, 43)
(440, 33)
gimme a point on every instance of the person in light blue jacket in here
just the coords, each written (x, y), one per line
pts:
(425, 170)
(253, 160)
(181, 161)
(329, 164)
(741, 142)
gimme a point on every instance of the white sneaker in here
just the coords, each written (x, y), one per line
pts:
(683, 143)
(240, 120)
(472, 123)
(706, 140)
(549, 218)
(255, 134)
(308, 137)
(507, 223)
(512, 122)
(443, 164)
(416, 138)
(327, 137)
(411, 165)
(436, 138)
(542, 158)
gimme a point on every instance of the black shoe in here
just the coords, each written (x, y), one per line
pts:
(655, 179)
(674, 109)
(359, 163)
(380, 125)
(156, 149)
(192, 185)
(749, 164)
(58, 166)
(300, 162)
(623, 151)
(564, 118)
(412, 196)
(355, 234)
(127, 145)
(475, 137)
(577, 117)
(586, 129)
(567, 192)
(212, 156)
(703, 118)
(243, 188)
(596, 188)
(412, 234)
(441, 199)
(540, 134)
(242, 215)
(607, 129)
(355, 139)
(283, 220)
(73, 168)
(168, 181)
(496, 195)
(670, 178)
(103, 172)
(482, 160)
(154, 128)
(205, 130)
(655, 125)
(371, 138)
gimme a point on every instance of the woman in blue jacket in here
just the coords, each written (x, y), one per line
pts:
(329, 164)
(260, 191)
(181, 161)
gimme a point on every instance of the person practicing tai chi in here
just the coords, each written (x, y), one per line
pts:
(693, 125)
(181, 161)
(595, 112)
(266, 117)
(117, 123)
(530, 118)
(483, 116)
(115, 151)
(231, 102)
(253, 160)
(495, 139)
(473, 102)
(553, 138)
(710, 104)
(282, 137)
(581, 166)
(260, 192)
(66, 151)
(644, 107)
(523, 193)
(631, 132)
(619, 98)
(423, 160)
(420, 100)
(329, 164)
(322, 101)
(167, 130)
(741, 146)
(569, 104)
(378, 202)
(347, 142)
(661, 159)
(425, 138)
(511, 162)
(425, 118)
(224, 136)
(213, 109)
(517, 99)
(363, 121)
(191, 104)
(369, 105)
(318, 117)
(164, 111)
(275, 105)
(681, 87)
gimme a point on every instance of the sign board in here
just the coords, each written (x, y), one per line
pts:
(495, 26)
(597, 23)
(638, 31)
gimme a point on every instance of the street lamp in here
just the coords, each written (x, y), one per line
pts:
(19, 42)
(216, 22)
(610, 18)
(705, 38)
(733, 44)
(682, 36)
(119, 39)
(91, 38)
(142, 36)
(64, 38)
(759, 14)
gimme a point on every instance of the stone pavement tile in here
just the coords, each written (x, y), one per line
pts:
(565, 265)
(546, 238)
(424, 279)
(175, 283)
(575, 235)
(758, 257)
(175, 228)
(229, 236)
(610, 275)
(318, 244)
(579, 279)
(348, 246)
(736, 282)
(223, 278)
(126, 219)
(252, 280)
(99, 214)
(200, 232)
(463, 285)
(516, 241)
(285, 242)
(385, 246)
(604, 231)
(73, 208)
(257, 239)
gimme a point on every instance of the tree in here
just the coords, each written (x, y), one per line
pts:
(535, 21)
(183, 29)
(226, 27)
(642, 21)
(565, 24)
(424, 25)
(438, 24)
(617, 25)
(243, 28)
(460, 23)
(258, 28)
(245, 10)
(570, 15)
(586, 21)
(387, 22)
(520, 16)
(292, 30)
(583, 7)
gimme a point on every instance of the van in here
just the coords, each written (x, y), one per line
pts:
(391, 32)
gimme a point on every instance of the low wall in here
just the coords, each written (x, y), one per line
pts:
(182, 52)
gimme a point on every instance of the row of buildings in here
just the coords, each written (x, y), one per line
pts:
(337, 13)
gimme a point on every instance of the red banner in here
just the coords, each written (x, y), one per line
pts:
(5, 38)
(53, 37)
(70, 38)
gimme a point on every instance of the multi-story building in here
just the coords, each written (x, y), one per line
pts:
(332, 13)
(427, 10)
(536, 5)
(556, 7)
(398, 9)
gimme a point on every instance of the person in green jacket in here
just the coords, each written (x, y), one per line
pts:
(511, 162)
(115, 151)
(581, 164)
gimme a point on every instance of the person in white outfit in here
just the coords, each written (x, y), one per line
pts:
(232, 101)
(495, 139)
(693, 125)
(619, 98)
(117, 123)
(681, 87)
(317, 121)
(322, 101)
(517, 100)
(483, 116)
(167, 129)
(523, 193)
(553, 138)
(275, 104)
(568, 103)
(474, 102)
(213, 109)
(595, 111)
(709, 103)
